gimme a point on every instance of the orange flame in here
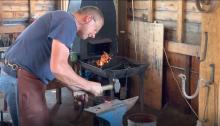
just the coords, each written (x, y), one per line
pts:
(105, 58)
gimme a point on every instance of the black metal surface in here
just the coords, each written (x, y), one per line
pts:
(118, 67)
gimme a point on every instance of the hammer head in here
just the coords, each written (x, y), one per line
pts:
(117, 85)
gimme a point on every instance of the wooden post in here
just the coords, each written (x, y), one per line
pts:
(31, 6)
(122, 27)
(151, 11)
(180, 20)
(1, 12)
(183, 48)
(210, 100)
(116, 9)
(62, 4)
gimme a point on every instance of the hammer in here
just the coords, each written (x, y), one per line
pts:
(115, 85)
(107, 87)
(79, 92)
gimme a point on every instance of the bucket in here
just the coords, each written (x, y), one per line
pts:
(141, 119)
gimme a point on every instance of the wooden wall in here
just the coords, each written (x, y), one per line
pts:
(181, 20)
(166, 12)
(209, 102)
(182, 36)
(19, 10)
(149, 50)
(15, 15)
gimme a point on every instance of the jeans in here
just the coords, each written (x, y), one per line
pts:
(8, 85)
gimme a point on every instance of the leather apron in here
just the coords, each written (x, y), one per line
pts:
(32, 105)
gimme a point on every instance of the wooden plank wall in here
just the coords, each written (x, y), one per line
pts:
(149, 50)
(166, 12)
(0, 12)
(16, 13)
(209, 102)
(18, 10)
(182, 22)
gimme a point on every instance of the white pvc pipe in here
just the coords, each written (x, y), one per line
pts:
(183, 77)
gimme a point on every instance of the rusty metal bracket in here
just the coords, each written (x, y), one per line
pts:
(205, 6)
(204, 51)
(212, 74)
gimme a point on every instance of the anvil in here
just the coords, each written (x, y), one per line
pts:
(113, 111)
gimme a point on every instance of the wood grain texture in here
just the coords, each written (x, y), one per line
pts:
(180, 20)
(1, 12)
(182, 48)
(210, 24)
(149, 46)
(12, 28)
(20, 9)
(122, 27)
(151, 11)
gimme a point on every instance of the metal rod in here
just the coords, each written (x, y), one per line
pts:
(141, 90)
(2, 119)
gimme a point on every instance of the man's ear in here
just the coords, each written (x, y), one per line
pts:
(87, 18)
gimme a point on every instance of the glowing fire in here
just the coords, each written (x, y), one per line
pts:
(105, 58)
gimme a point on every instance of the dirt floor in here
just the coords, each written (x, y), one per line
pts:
(65, 114)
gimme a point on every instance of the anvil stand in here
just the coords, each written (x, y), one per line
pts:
(141, 75)
(123, 73)
(113, 115)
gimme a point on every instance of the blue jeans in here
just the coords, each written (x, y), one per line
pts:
(8, 85)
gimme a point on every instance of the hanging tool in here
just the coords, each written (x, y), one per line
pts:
(205, 5)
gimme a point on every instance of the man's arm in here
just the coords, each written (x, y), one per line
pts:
(63, 71)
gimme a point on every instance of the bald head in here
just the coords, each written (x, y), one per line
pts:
(89, 21)
(92, 10)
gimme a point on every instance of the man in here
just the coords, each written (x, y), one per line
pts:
(40, 54)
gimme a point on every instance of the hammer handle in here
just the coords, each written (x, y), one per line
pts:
(107, 87)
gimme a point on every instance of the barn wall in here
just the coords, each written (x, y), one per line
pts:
(166, 12)
(15, 11)
(182, 38)
(15, 15)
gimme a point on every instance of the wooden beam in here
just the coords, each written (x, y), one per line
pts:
(62, 4)
(11, 28)
(1, 12)
(31, 5)
(209, 95)
(116, 9)
(182, 48)
(180, 20)
(122, 27)
(151, 11)
(3, 49)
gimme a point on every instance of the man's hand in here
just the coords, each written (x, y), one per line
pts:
(95, 88)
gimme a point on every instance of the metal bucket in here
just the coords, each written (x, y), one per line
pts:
(141, 119)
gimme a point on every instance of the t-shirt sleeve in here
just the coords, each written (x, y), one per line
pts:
(64, 31)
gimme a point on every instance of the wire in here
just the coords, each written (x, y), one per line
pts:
(178, 85)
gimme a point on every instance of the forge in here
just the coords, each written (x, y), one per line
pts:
(118, 67)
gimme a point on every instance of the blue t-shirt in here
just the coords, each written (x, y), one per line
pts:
(32, 49)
